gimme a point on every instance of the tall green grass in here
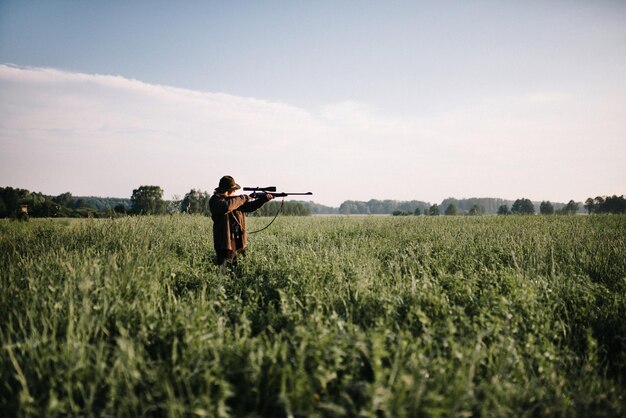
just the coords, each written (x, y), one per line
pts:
(335, 316)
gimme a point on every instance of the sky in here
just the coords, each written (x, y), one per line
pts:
(352, 100)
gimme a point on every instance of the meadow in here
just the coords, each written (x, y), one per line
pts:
(326, 316)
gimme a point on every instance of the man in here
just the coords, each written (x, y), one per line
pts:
(229, 222)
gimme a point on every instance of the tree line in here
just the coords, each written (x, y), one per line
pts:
(526, 207)
(145, 200)
(381, 207)
(611, 204)
(148, 200)
(452, 206)
(606, 204)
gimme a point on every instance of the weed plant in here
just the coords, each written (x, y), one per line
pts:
(325, 316)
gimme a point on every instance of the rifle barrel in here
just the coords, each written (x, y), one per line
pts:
(291, 194)
(281, 194)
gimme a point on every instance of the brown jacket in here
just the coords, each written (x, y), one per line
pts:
(224, 211)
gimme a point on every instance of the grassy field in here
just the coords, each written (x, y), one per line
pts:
(337, 316)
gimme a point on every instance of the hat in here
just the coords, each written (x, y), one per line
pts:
(227, 183)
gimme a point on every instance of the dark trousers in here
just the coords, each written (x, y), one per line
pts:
(223, 255)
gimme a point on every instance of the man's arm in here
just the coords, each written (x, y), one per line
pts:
(221, 206)
(253, 205)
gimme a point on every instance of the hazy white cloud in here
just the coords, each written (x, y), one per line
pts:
(105, 135)
(545, 97)
(110, 128)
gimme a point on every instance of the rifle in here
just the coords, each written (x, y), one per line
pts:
(262, 191)
(259, 191)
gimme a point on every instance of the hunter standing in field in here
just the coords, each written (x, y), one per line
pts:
(229, 222)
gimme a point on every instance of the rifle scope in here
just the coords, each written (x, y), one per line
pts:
(260, 189)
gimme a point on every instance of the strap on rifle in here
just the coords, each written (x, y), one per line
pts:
(275, 216)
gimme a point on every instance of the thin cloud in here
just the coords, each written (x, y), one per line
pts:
(105, 135)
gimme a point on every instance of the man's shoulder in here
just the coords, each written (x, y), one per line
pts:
(215, 199)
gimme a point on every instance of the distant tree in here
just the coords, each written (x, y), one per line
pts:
(120, 209)
(148, 200)
(48, 209)
(503, 210)
(64, 199)
(399, 213)
(476, 210)
(433, 210)
(451, 210)
(619, 204)
(417, 212)
(446, 203)
(174, 206)
(599, 204)
(546, 208)
(3, 208)
(408, 206)
(590, 206)
(295, 209)
(523, 207)
(613, 204)
(346, 208)
(289, 209)
(351, 207)
(319, 209)
(196, 202)
(570, 209)
(108, 212)
(81, 203)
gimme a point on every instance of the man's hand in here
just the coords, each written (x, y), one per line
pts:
(263, 196)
